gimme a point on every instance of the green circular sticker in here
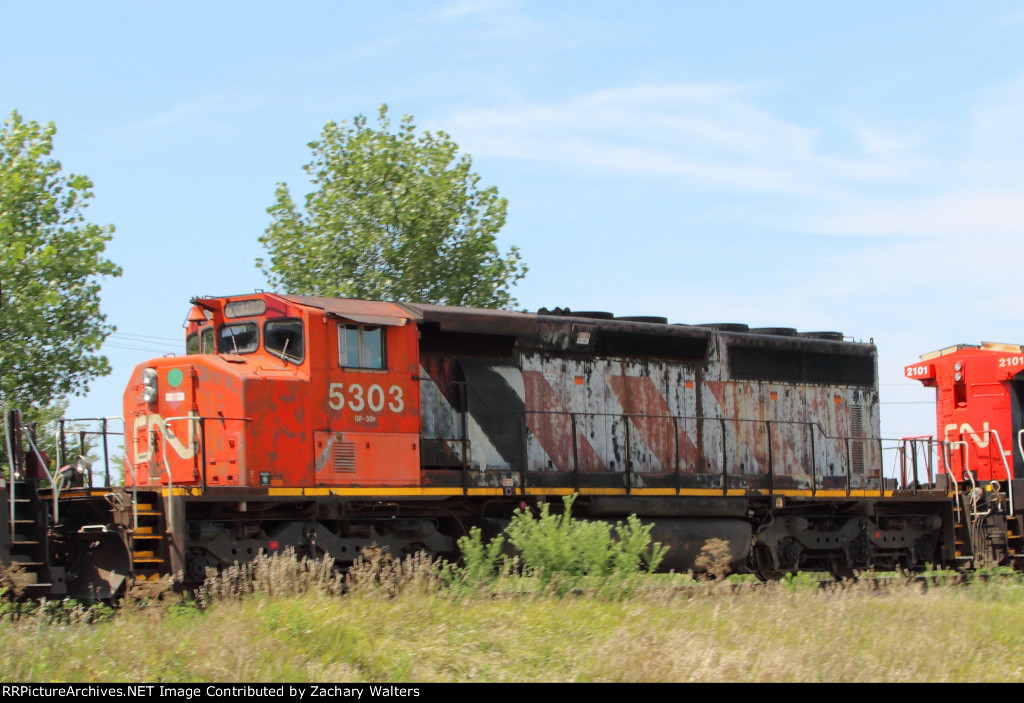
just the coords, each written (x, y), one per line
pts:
(174, 377)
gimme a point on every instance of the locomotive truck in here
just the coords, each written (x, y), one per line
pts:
(329, 425)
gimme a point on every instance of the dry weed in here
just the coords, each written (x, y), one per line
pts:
(714, 558)
(282, 574)
(378, 571)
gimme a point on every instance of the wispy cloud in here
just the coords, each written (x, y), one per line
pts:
(848, 176)
(953, 212)
(706, 133)
(215, 114)
(461, 9)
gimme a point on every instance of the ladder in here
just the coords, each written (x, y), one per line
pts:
(963, 547)
(147, 541)
(28, 545)
(28, 520)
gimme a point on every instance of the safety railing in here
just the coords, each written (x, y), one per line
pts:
(822, 453)
(8, 444)
(62, 430)
(1006, 468)
(911, 454)
(13, 474)
(200, 440)
(49, 477)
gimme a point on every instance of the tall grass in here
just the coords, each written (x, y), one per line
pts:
(709, 632)
(496, 618)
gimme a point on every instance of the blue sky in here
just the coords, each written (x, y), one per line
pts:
(836, 166)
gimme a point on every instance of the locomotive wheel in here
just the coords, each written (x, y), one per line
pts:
(841, 570)
(764, 565)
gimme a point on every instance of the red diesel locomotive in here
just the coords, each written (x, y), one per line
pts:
(329, 425)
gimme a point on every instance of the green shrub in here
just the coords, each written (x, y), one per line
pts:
(563, 553)
(481, 561)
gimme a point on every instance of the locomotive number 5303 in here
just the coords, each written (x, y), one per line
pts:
(361, 398)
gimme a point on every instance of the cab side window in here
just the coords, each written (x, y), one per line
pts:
(283, 338)
(200, 343)
(361, 346)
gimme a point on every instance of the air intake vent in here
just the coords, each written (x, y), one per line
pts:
(344, 457)
(766, 363)
(857, 445)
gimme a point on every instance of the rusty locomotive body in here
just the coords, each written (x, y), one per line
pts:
(328, 425)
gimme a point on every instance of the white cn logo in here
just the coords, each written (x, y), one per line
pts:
(966, 430)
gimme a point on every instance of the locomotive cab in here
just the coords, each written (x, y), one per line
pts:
(274, 393)
(979, 408)
(979, 392)
(191, 417)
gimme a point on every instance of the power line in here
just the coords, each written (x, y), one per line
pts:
(151, 350)
(142, 337)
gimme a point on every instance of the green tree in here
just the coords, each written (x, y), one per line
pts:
(51, 263)
(395, 216)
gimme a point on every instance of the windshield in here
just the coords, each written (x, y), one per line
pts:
(238, 339)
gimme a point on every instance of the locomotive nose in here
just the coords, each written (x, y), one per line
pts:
(160, 405)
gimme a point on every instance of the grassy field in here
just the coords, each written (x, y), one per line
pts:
(661, 632)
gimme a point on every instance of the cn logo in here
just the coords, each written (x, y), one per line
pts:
(966, 430)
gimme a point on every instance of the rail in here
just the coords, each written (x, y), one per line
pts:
(10, 464)
(49, 477)
(966, 470)
(13, 475)
(817, 446)
(822, 461)
(201, 439)
(104, 432)
(853, 445)
(167, 465)
(1009, 474)
(918, 445)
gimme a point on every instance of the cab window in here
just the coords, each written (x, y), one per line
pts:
(200, 342)
(243, 338)
(361, 346)
(283, 338)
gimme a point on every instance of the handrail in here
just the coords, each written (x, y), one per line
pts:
(201, 420)
(766, 425)
(966, 470)
(916, 450)
(49, 476)
(10, 464)
(1009, 476)
(167, 466)
(103, 432)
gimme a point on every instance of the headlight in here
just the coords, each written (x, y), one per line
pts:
(149, 391)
